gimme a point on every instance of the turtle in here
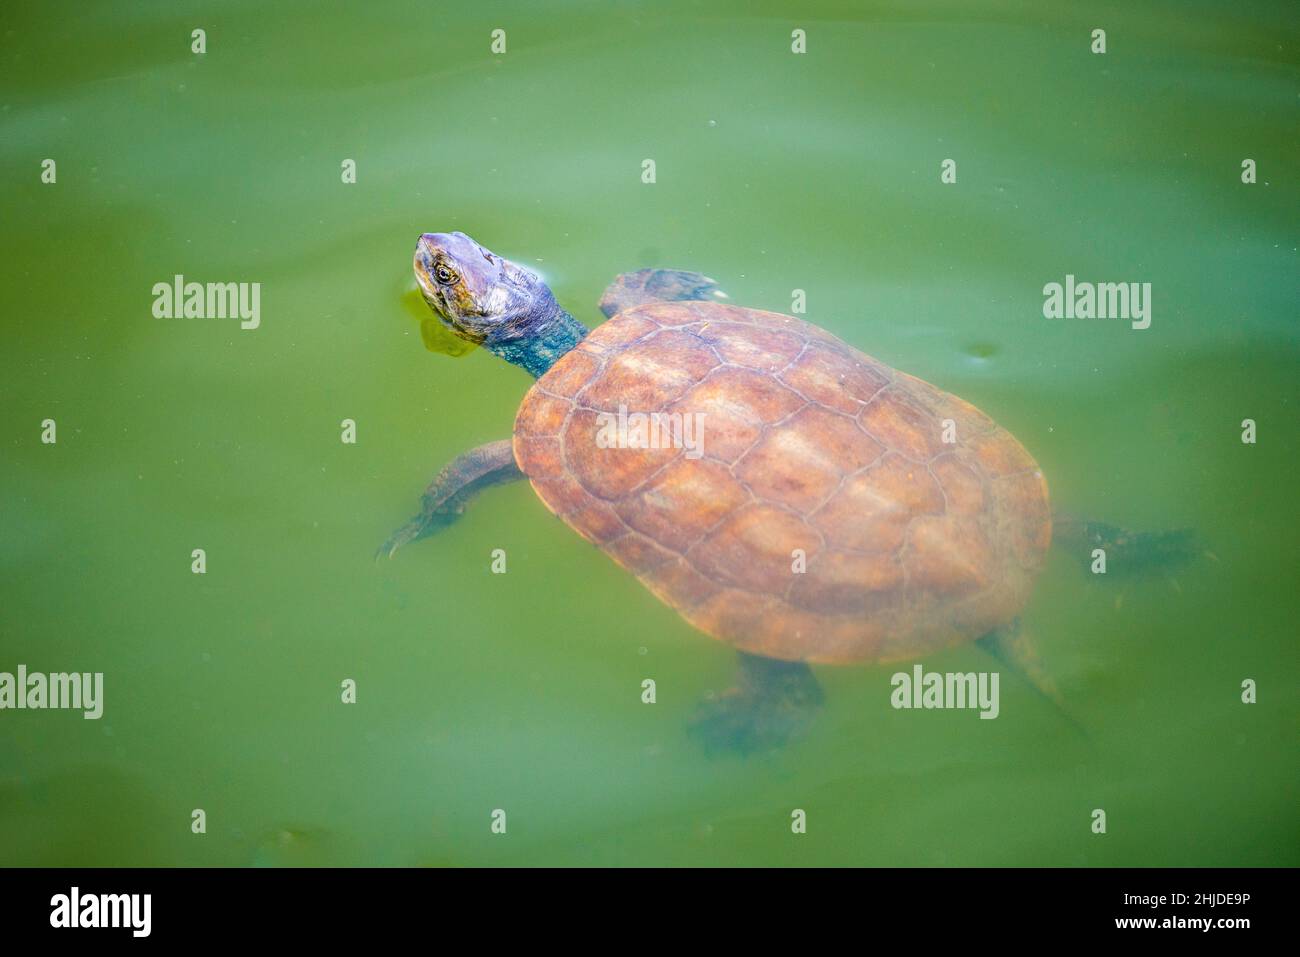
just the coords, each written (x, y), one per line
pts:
(782, 491)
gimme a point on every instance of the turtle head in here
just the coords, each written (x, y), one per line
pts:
(486, 299)
(477, 294)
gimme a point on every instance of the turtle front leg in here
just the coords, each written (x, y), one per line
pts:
(657, 285)
(772, 702)
(452, 490)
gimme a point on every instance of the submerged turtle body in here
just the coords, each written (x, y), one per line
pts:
(811, 504)
(822, 517)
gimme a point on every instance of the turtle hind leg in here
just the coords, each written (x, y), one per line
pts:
(1127, 552)
(452, 489)
(657, 285)
(773, 701)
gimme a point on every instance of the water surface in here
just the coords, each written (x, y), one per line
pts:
(775, 172)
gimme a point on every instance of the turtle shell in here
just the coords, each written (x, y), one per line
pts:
(817, 513)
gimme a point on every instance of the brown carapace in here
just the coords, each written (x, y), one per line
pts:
(834, 510)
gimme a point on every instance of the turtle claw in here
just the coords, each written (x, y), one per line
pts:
(388, 549)
(407, 533)
(419, 527)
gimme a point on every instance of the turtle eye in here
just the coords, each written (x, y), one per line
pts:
(444, 275)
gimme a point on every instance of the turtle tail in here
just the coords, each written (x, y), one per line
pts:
(1014, 647)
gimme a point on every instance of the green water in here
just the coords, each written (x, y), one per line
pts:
(775, 171)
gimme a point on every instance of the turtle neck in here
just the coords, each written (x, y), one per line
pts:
(545, 338)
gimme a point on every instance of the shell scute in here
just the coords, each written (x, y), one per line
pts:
(649, 374)
(735, 404)
(682, 503)
(769, 350)
(612, 472)
(873, 509)
(833, 378)
(849, 583)
(895, 420)
(753, 548)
